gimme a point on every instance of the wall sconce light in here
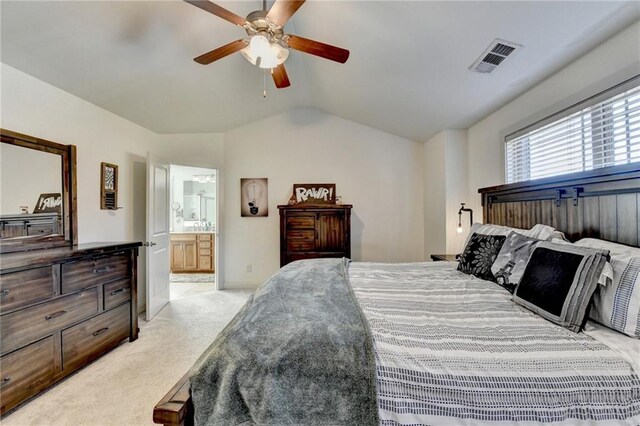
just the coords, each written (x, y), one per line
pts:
(464, 209)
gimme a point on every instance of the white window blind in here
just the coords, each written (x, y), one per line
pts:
(599, 132)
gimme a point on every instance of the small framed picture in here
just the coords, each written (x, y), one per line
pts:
(108, 186)
(254, 199)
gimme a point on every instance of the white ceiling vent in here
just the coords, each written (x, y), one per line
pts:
(496, 53)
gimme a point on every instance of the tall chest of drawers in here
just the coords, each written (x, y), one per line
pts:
(314, 231)
(61, 309)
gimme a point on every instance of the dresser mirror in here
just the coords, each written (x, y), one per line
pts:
(37, 193)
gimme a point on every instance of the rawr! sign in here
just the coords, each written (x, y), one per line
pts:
(314, 193)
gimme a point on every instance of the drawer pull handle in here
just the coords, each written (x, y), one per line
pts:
(99, 271)
(4, 292)
(99, 332)
(118, 291)
(5, 380)
(55, 315)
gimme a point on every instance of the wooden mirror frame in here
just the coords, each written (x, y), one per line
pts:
(69, 194)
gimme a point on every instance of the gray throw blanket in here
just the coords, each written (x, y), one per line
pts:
(299, 352)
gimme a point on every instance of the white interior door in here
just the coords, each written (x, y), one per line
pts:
(157, 235)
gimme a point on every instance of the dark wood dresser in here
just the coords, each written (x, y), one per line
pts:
(314, 231)
(60, 309)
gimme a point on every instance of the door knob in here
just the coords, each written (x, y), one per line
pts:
(150, 244)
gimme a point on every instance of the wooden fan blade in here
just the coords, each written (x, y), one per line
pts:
(282, 10)
(221, 52)
(280, 77)
(219, 11)
(312, 47)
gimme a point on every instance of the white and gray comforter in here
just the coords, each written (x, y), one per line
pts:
(452, 349)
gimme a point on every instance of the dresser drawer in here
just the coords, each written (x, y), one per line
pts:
(204, 245)
(301, 245)
(90, 272)
(88, 340)
(27, 371)
(204, 252)
(116, 293)
(204, 237)
(29, 324)
(26, 287)
(301, 221)
(306, 234)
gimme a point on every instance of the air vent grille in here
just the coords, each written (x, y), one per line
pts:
(503, 49)
(493, 56)
(493, 59)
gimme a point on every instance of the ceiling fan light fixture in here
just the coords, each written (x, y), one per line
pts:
(276, 56)
(259, 45)
(246, 52)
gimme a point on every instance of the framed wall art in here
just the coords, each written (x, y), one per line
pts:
(108, 186)
(254, 200)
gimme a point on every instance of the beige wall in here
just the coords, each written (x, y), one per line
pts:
(445, 187)
(380, 174)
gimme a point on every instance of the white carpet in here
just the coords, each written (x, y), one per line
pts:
(123, 387)
(192, 278)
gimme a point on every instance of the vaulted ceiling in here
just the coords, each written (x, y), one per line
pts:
(407, 74)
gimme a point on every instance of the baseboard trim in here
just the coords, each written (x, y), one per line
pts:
(240, 286)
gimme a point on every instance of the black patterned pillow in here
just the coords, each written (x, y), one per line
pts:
(479, 254)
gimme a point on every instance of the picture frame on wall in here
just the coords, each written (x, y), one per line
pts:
(254, 197)
(108, 186)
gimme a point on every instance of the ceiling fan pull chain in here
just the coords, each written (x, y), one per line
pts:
(264, 84)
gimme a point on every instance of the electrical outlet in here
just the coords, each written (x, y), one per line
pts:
(249, 268)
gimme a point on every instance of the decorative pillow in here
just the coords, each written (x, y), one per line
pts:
(607, 272)
(541, 232)
(512, 260)
(617, 305)
(479, 255)
(557, 236)
(558, 282)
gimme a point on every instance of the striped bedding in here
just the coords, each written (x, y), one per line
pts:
(452, 349)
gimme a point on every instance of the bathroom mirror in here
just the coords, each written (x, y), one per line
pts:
(37, 193)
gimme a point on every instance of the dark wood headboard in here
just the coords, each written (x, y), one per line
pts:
(603, 203)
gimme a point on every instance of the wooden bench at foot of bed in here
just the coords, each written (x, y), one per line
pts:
(175, 408)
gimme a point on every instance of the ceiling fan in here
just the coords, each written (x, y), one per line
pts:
(267, 43)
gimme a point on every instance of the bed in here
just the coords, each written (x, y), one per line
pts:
(450, 348)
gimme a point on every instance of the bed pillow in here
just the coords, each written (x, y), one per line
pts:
(512, 259)
(479, 254)
(606, 276)
(539, 231)
(617, 305)
(557, 236)
(558, 282)
(616, 251)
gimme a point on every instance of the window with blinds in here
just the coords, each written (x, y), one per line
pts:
(599, 132)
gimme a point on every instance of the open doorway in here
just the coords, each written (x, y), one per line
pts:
(193, 220)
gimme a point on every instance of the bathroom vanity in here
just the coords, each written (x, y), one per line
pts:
(192, 252)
